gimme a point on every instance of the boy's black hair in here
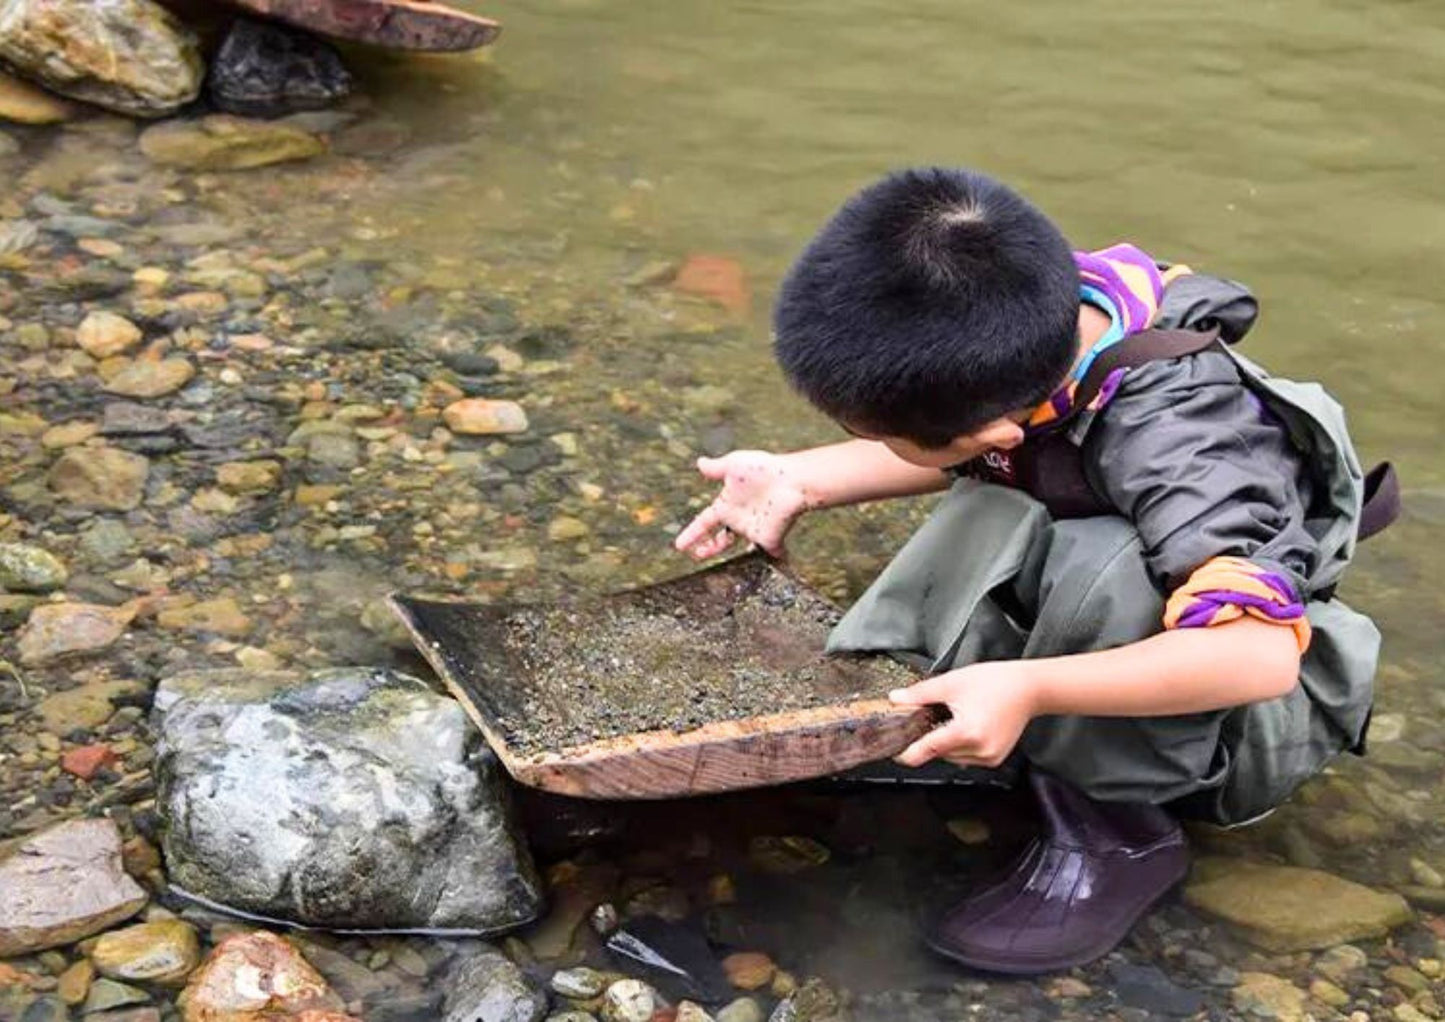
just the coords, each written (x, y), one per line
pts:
(934, 301)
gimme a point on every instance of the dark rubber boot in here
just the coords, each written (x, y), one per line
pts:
(1076, 891)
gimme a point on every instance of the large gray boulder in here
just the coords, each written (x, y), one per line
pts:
(130, 56)
(351, 798)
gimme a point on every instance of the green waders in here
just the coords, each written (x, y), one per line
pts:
(991, 576)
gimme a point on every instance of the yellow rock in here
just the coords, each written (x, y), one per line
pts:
(68, 434)
(104, 334)
(1259, 993)
(26, 104)
(221, 616)
(1285, 908)
(74, 982)
(164, 952)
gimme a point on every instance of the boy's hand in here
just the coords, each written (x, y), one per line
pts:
(759, 502)
(991, 704)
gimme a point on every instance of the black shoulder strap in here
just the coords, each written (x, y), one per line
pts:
(1145, 346)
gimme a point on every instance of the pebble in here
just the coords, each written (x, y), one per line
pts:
(88, 760)
(163, 952)
(1342, 964)
(29, 569)
(749, 970)
(221, 616)
(1407, 979)
(564, 529)
(1067, 987)
(1326, 992)
(687, 1011)
(476, 416)
(100, 478)
(1269, 997)
(107, 993)
(744, 1009)
(68, 434)
(580, 983)
(105, 335)
(629, 1000)
(786, 855)
(248, 477)
(1424, 874)
(969, 830)
(225, 142)
(148, 378)
(57, 630)
(74, 982)
(717, 278)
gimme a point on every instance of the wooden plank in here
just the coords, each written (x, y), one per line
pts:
(464, 644)
(395, 24)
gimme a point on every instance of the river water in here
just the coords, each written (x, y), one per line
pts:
(561, 175)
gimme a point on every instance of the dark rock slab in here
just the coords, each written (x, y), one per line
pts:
(264, 69)
(674, 957)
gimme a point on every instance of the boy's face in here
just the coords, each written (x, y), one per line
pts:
(1002, 434)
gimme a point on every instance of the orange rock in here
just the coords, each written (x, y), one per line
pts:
(476, 416)
(16, 979)
(258, 975)
(86, 761)
(716, 278)
(749, 970)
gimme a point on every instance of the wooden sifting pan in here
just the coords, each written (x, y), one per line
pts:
(715, 681)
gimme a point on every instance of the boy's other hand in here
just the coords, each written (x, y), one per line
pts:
(759, 502)
(991, 704)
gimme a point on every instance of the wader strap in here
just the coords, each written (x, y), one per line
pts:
(1382, 500)
(1145, 346)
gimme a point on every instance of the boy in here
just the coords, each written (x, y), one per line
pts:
(1128, 589)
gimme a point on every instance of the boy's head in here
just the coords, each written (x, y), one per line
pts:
(936, 302)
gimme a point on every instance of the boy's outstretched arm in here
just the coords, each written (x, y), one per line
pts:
(1176, 672)
(763, 493)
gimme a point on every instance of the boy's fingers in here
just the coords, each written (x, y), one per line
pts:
(707, 519)
(713, 545)
(712, 468)
(937, 689)
(929, 747)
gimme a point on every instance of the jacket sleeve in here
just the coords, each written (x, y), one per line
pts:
(1212, 483)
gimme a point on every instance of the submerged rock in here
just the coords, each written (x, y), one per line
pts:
(266, 70)
(103, 334)
(56, 630)
(258, 976)
(29, 569)
(485, 986)
(100, 478)
(25, 104)
(163, 952)
(224, 142)
(1286, 908)
(476, 416)
(1262, 995)
(63, 885)
(351, 797)
(130, 56)
(148, 378)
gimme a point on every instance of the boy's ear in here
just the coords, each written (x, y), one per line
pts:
(1000, 435)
